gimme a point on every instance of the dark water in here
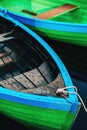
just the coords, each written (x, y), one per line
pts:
(81, 120)
(7, 123)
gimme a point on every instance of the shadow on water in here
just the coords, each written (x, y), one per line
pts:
(7, 123)
(80, 123)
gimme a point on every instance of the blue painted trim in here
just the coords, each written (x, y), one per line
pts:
(48, 24)
(74, 107)
(37, 101)
(32, 96)
(61, 66)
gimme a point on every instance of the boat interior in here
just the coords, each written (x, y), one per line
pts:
(24, 64)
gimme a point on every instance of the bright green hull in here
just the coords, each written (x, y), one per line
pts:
(73, 24)
(35, 116)
(77, 16)
(78, 38)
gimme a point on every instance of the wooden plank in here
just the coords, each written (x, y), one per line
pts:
(6, 84)
(57, 11)
(11, 84)
(35, 76)
(7, 59)
(15, 85)
(3, 54)
(46, 71)
(23, 81)
(49, 89)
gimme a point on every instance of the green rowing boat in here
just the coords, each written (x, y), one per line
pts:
(61, 20)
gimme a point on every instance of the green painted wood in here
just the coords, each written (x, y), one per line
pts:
(36, 116)
(36, 7)
(78, 38)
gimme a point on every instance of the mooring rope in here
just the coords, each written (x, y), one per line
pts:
(63, 91)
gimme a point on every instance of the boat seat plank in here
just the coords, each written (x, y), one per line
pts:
(35, 76)
(26, 80)
(31, 79)
(16, 85)
(46, 71)
(11, 84)
(5, 60)
(23, 81)
(49, 89)
(3, 54)
(6, 84)
(57, 11)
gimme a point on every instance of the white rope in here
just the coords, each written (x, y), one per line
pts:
(72, 87)
(63, 91)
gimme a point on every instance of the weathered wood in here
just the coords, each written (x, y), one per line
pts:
(6, 84)
(22, 84)
(41, 77)
(57, 11)
(15, 85)
(49, 89)
(57, 83)
(11, 83)
(46, 72)
(24, 81)
(7, 59)
(35, 76)
(3, 54)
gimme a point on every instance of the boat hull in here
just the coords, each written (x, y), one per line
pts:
(54, 30)
(42, 110)
(70, 27)
(43, 118)
(75, 38)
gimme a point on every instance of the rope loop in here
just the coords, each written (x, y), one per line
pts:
(62, 91)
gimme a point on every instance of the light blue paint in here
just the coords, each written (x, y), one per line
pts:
(38, 101)
(48, 24)
(68, 82)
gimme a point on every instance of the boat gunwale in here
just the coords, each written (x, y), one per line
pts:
(48, 24)
(68, 82)
(46, 102)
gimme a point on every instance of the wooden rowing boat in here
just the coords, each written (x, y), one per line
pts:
(31, 78)
(58, 20)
